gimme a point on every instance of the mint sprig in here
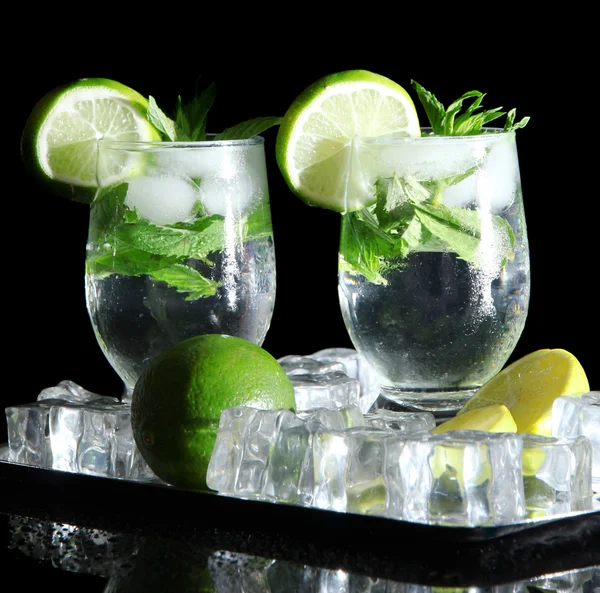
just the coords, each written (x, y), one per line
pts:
(190, 120)
(409, 215)
(450, 122)
(131, 246)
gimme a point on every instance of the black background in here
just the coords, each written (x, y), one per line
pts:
(48, 336)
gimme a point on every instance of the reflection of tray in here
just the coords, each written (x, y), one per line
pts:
(387, 548)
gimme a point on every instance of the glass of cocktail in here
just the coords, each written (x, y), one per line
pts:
(434, 276)
(180, 244)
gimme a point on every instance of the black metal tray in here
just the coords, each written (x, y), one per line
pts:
(385, 548)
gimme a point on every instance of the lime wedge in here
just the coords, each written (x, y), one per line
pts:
(314, 141)
(59, 141)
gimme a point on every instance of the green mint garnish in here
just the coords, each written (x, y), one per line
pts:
(450, 122)
(131, 246)
(189, 123)
(190, 119)
(249, 128)
(409, 215)
(164, 124)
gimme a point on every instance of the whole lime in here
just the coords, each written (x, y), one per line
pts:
(178, 400)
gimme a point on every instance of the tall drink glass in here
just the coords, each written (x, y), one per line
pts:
(180, 244)
(434, 276)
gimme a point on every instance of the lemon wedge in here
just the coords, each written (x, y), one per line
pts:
(529, 386)
(495, 418)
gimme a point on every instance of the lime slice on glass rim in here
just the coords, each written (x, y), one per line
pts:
(314, 141)
(59, 141)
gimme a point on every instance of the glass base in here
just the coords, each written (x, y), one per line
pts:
(442, 404)
(126, 394)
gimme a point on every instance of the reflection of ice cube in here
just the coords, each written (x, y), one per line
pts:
(232, 572)
(572, 416)
(494, 184)
(72, 548)
(162, 199)
(557, 473)
(572, 581)
(455, 478)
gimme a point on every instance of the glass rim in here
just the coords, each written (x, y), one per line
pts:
(148, 145)
(485, 135)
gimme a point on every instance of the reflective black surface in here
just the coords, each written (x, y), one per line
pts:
(51, 554)
(84, 531)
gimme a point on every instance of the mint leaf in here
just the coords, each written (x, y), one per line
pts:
(460, 231)
(183, 240)
(450, 122)
(127, 261)
(182, 124)
(257, 225)
(190, 120)
(434, 110)
(186, 279)
(469, 123)
(359, 249)
(131, 246)
(249, 129)
(197, 112)
(109, 206)
(510, 118)
(394, 196)
(160, 121)
(458, 228)
(415, 235)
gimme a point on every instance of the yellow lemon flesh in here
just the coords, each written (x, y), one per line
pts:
(529, 386)
(495, 418)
